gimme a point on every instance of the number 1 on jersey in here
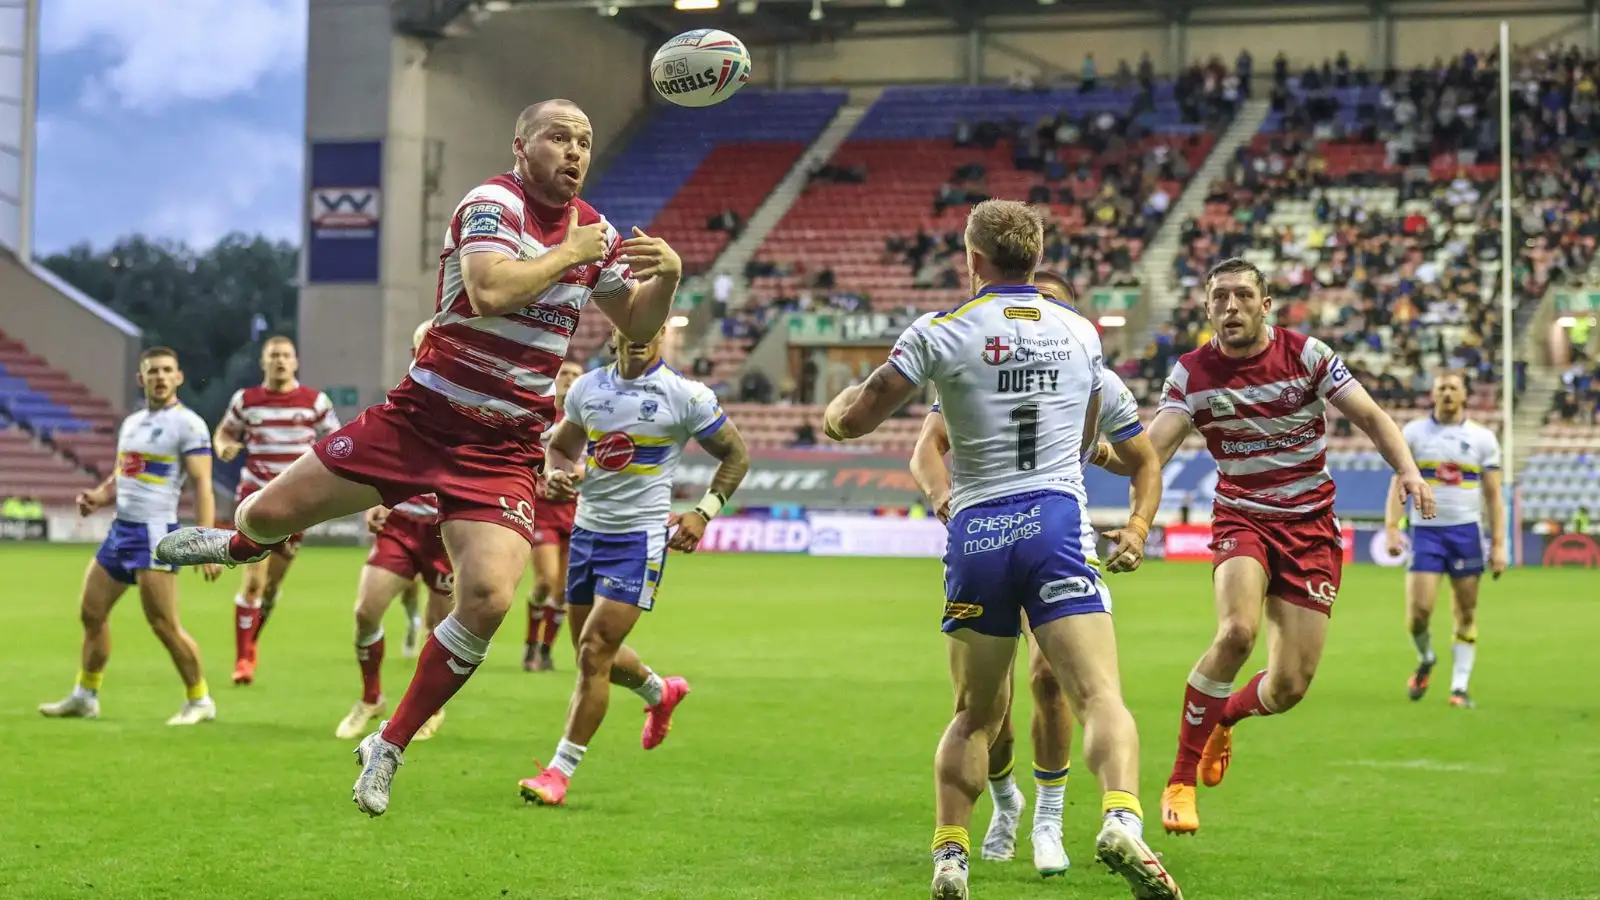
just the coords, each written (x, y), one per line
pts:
(1026, 417)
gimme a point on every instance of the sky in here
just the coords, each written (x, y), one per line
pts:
(180, 119)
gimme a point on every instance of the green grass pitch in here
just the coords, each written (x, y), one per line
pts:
(801, 766)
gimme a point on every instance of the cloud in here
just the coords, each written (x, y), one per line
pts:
(164, 53)
(194, 183)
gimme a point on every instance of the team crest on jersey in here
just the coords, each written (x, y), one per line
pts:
(1293, 397)
(1221, 405)
(996, 351)
(648, 410)
(613, 452)
(1465, 446)
(1448, 473)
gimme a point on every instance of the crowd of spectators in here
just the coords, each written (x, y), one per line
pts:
(1383, 282)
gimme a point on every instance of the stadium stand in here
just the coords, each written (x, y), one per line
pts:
(47, 411)
(687, 167)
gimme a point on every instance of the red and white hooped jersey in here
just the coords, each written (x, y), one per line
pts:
(502, 369)
(423, 508)
(277, 428)
(1263, 420)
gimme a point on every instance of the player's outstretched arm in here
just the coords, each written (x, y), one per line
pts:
(499, 285)
(1166, 434)
(641, 312)
(1364, 413)
(928, 467)
(861, 408)
(726, 445)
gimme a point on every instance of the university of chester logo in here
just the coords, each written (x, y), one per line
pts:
(996, 351)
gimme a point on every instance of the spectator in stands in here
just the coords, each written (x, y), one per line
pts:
(1090, 75)
(1566, 409)
(963, 136)
(805, 435)
(22, 509)
(701, 367)
(727, 220)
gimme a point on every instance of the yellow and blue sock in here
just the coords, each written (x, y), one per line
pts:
(198, 691)
(89, 682)
(951, 836)
(1003, 787)
(1124, 807)
(1050, 793)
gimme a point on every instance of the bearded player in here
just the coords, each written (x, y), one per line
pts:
(552, 541)
(1257, 394)
(158, 447)
(1051, 725)
(1461, 460)
(1018, 377)
(274, 423)
(407, 547)
(522, 257)
(634, 417)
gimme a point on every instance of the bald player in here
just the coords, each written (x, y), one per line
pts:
(523, 256)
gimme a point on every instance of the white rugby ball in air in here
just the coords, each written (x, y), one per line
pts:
(700, 68)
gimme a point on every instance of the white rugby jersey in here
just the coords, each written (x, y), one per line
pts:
(636, 430)
(1119, 411)
(1015, 372)
(151, 446)
(1453, 459)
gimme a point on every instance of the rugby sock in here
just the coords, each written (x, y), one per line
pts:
(1463, 653)
(198, 691)
(1247, 701)
(553, 619)
(246, 624)
(448, 659)
(1203, 703)
(88, 683)
(568, 755)
(369, 654)
(1124, 808)
(650, 691)
(535, 624)
(1050, 794)
(243, 549)
(951, 836)
(1423, 640)
(1003, 788)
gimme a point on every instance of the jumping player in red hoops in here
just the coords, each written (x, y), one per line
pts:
(523, 255)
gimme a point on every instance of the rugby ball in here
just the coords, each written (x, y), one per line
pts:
(700, 68)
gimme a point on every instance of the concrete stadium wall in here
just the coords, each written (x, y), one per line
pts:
(443, 116)
(1054, 43)
(94, 345)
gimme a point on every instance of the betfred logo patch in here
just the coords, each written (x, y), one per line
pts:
(613, 452)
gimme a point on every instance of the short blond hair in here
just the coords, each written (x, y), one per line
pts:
(1009, 233)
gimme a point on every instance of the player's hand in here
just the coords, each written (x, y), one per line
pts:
(1499, 559)
(586, 243)
(211, 571)
(1421, 495)
(691, 527)
(561, 486)
(941, 506)
(227, 451)
(1393, 539)
(377, 517)
(650, 257)
(88, 502)
(1128, 553)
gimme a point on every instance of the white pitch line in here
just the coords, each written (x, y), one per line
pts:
(1424, 765)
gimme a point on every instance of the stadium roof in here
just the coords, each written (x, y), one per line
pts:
(774, 21)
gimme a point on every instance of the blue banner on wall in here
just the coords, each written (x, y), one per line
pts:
(346, 207)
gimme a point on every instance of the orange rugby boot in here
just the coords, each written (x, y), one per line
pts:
(244, 670)
(549, 788)
(1214, 759)
(658, 718)
(1417, 684)
(1179, 812)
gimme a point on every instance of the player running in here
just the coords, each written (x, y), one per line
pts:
(1018, 376)
(407, 546)
(1051, 725)
(1257, 393)
(522, 257)
(274, 423)
(552, 542)
(1461, 460)
(636, 416)
(157, 447)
